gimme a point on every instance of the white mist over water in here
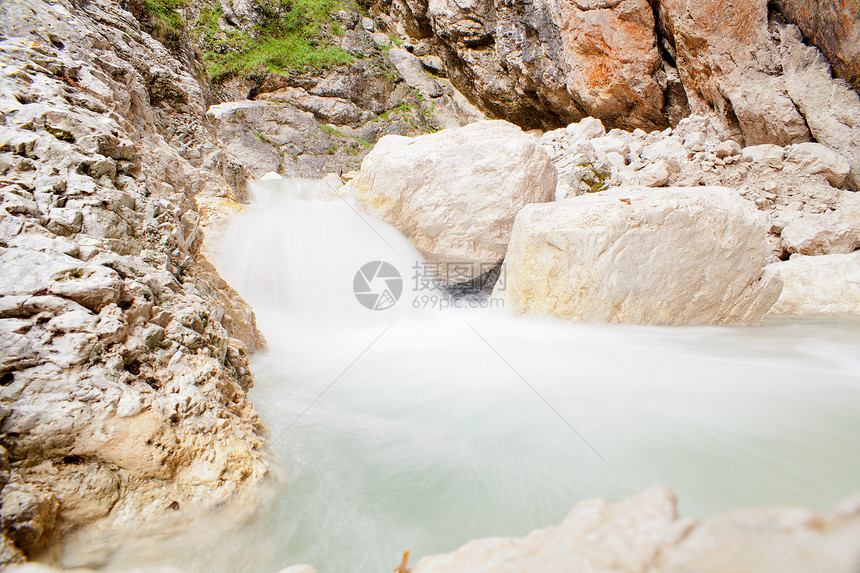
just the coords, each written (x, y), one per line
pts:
(401, 430)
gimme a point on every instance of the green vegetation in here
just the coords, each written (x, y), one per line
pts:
(356, 146)
(60, 134)
(407, 112)
(401, 107)
(352, 148)
(265, 139)
(598, 182)
(165, 21)
(293, 35)
(331, 130)
(207, 23)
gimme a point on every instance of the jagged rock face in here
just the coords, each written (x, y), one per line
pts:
(642, 64)
(834, 28)
(124, 368)
(324, 121)
(758, 75)
(727, 63)
(548, 63)
(580, 58)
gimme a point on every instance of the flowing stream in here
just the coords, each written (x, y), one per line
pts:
(419, 430)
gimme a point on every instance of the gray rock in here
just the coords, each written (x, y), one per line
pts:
(412, 70)
(98, 216)
(326, 109)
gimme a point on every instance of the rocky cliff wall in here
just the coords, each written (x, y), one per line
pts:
(124, 369)
(634, 63)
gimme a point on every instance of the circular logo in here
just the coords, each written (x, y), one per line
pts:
(377, 285)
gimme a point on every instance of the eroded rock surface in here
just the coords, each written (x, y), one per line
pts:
(803, 188)
(834, 28)
(124, 364)
(641, 64)
(545, 63)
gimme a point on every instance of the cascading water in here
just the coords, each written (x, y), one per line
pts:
(420, 430)
(295, 253)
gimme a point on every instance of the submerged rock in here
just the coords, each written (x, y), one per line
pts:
(455, 193)
(677, 256)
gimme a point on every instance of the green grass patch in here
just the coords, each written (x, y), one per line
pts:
(352, 148)
(207, 22)
(293, 35)
(332, 131)
(401, 107)
(166, 22)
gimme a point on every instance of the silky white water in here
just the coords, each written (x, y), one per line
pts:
(419, 430)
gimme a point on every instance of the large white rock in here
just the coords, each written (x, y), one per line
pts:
(455, 193)
(821, 160)
(829, 284)
(595, 536)
(675, 256)
(644, 533)
(829, 233)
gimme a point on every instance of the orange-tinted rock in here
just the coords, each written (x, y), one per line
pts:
(586, 56)
(833, 26)
(729, 65)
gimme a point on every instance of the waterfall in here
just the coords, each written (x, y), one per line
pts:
(401, 430)
(297, 248)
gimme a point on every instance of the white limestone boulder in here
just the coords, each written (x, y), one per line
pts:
(645, 533)
(820, 160)
(828, 233)
(674, 256)
(824, 285)
(596, 536)
(455, 193)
